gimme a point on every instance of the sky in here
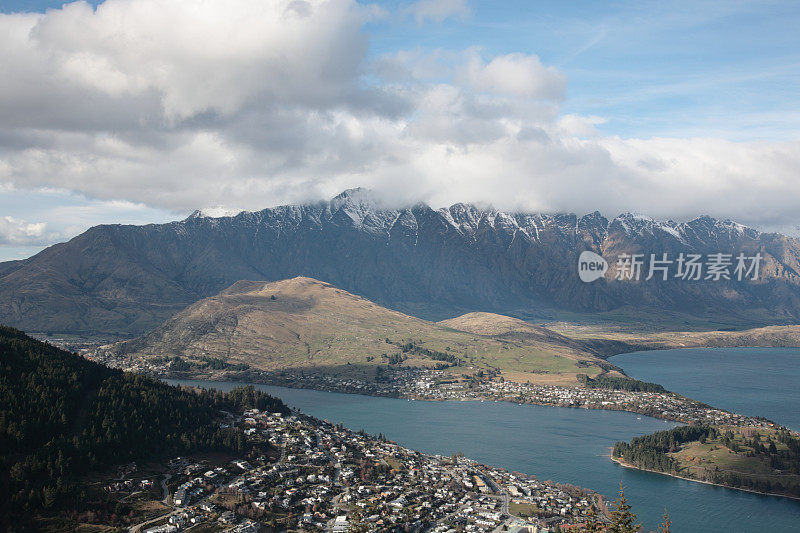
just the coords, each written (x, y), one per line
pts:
(139, 111)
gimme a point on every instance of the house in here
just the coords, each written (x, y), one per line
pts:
(340, 524)
(399, 502)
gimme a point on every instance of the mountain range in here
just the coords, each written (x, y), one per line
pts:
(426, 262)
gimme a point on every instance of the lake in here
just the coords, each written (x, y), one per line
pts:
(561, 444)
(750, 381)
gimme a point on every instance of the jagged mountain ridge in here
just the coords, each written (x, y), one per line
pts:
(433, 263)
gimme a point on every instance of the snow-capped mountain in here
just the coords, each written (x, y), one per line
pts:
(431, 262)
(216, 211)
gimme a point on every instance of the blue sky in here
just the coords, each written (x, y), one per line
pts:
(725, 68)
(682, 88)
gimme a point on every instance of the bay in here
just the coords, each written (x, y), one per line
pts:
(751, 381)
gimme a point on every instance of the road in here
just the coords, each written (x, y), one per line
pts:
(165, 501)
(139, 526)
(164, 488)
(282, 459)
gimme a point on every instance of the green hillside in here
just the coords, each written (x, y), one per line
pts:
(62, 416)
(757, 459)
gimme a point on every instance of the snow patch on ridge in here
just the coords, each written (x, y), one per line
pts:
(217, 211)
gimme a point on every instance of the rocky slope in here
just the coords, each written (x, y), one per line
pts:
(433, 263)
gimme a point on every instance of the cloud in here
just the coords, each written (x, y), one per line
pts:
(60, 215)
(580, 126)
(246, 103)
(157, 62)
(16, 231)
(516, 74)
(438, 10)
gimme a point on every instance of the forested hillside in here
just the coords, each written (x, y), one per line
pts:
(756, 459)
(62, 416)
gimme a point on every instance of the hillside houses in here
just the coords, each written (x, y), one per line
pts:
(329, 478)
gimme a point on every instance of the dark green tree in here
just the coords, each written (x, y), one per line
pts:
(623, 520)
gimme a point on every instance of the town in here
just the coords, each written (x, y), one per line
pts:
(324, 477)
(440, 384)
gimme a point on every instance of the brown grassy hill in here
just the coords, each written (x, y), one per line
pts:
(606, 341)
(491, 324)
(302, 323)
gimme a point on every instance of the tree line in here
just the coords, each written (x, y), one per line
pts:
(779, 450)
(178, 364)
(619, 383)
(62, 416)
(436, 355)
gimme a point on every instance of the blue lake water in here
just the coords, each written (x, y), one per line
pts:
(561, 444)
(572, 445)
(752, 381)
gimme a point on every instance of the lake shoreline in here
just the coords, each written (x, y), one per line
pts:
(624, 464)
(212, 379)
(650, 411)
(757, 381)
(511, 401)
(429, 400)
(503, 434)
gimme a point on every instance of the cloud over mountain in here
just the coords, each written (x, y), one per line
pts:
(249, 103)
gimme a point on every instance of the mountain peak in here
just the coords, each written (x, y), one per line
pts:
(217, 211)
(434, 262)
(356, 196)
(351, 193)
(291, 285)
(632, 223)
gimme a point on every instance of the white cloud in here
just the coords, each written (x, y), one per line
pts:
(438, 10)
(516, 74)
(17, 231)
(247, 103)
(61, 214)
(581, 126)
(150, 61)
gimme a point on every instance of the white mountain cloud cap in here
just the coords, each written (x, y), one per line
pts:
(250, 103)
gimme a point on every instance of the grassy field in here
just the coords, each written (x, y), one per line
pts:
(524, 509)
